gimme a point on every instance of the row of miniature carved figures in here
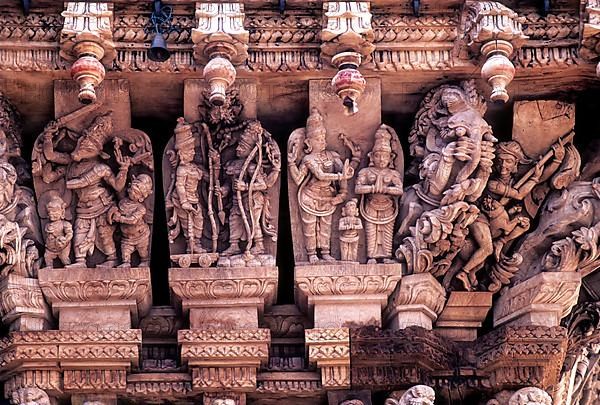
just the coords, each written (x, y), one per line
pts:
(473, 197)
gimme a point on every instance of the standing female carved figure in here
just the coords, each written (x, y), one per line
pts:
(322, 179)
(380, 185)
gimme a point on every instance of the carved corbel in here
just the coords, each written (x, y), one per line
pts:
(347, 37)
(87, 40)
(590, 36)
(220, 42)
(494, 31)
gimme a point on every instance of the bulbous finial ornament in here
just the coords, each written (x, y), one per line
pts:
(498, 70)
(87, 70)
(220, 74)
(348, 83)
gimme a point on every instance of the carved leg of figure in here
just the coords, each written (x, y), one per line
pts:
(257, 244)
(127, 249)
(480, 232)
(64, 255)
(518, 230)
(324, 237)
(309, 228)
(49, 258)
(143, 249)
(84, 238)
(198, 228)
(345, 251)
(236, 230)
(105, 241)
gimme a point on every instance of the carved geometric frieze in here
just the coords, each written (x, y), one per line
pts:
(299, 383)
(70, 290)
(220, 31)
(417, 301)
(360, 290)
(49, 381)
(22, 305)
(87, 22)
(238, 378)
(172, 386)
(516, 356)
(329, 349)
(542, 300)
(346, 27)
(93, 381)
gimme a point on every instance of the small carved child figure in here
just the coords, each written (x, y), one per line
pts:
(131, 214)
(58, 233)
(349, 226)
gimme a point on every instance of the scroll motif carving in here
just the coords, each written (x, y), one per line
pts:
(104, 177)
(223, 172)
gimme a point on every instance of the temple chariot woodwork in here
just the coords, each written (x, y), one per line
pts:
(327, 202)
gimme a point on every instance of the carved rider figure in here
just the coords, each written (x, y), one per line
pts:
(322, 178)
(379, 185)
(184, 191)
(90, 179)
(249, 216)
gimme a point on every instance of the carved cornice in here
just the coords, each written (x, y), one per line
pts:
(224, 378)
(209, 284)
(93, 381)
(166, 386)
(243, 346)
(329, 349)
(502, 353)
(48, 380)
(301, 383)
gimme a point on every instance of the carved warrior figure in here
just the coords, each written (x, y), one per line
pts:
(380, 186)
(417, 395)
(224, 171)
(322, 180)
(80, 167)
(349, 226)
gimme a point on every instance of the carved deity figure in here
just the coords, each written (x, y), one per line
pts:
(454, 148)
(380, 185)
(349, 226)
(184, 193)
(249, 216)
(131, 214)
(322, 180)
(93, 182)
(29, 396)
(58, 231)
(417, 395)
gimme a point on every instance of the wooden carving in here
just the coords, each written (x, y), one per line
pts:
(104, 177)
(222, 190)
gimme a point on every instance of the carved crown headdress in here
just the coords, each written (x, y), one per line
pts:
(184, 137)
(315, 124)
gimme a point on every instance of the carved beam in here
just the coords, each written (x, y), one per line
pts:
(495, 32)
(87, 40)
(220, 42)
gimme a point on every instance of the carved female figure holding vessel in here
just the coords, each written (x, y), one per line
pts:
(322, 179)
(380, 185)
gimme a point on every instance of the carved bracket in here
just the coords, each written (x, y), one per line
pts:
(494, 31)
(329, 349)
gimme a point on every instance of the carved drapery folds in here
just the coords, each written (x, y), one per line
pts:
(87, 40)
(494, 31)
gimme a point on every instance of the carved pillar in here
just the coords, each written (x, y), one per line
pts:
(494, 31)
(347, 42)
(224, 346)
(220, 43)
(86, 40)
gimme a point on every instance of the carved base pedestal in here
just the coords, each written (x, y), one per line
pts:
(463, 315)
(224, 347)
(348, 295)
(22, 304)
(99, 298)
(416, 302)
(542, 300)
